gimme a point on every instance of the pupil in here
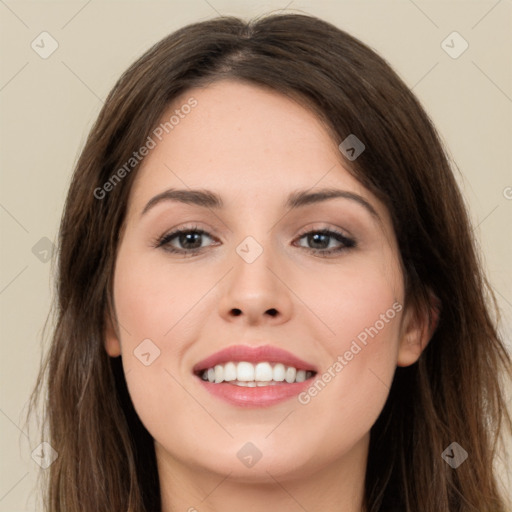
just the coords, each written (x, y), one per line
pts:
(315, 238)
(185, 238)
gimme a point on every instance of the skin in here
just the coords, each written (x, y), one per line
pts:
(253, 146)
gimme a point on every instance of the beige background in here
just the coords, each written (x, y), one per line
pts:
(48, 106)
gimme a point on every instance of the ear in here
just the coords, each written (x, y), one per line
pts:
(112, 343)
(418, 327)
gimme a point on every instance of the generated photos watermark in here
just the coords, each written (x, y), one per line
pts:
(356, 346)
(143, 151)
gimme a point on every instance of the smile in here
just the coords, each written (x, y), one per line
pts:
(254, 376)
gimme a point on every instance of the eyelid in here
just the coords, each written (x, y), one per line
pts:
(324, 227)
(173, 233)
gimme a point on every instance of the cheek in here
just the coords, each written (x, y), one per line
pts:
(150, 299)
(149, 303)
(366, 312)
(361, 299)
(362, 310)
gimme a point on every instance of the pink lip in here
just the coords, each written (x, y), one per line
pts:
(253, 355)
(257, 396)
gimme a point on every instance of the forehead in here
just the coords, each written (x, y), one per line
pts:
(241, 140)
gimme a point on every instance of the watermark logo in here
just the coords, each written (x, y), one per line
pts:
(454, 455)
(43, 250)
(454, 45)
(351, 147)
(249, 454)
(44, 45)
(44, 455)
(249, 249)
(147, 352)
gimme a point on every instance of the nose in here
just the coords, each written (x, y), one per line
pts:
(256, 292)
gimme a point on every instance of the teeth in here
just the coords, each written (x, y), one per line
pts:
(290, 374)
(219, 373)
(245, 371)
(249, 375)
(263, 372)
(229, 372)
(253, 384)
(301, 376)
(278, 372)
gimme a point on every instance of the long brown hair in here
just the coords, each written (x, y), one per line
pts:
(106, 457)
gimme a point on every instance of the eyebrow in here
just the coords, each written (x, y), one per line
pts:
(300, 198)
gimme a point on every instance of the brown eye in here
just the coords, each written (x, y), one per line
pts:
(185, 240)
(326, 241)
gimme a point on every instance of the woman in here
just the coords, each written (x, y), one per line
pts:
(323, 343)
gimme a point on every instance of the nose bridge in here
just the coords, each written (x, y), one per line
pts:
(255, 252)
(252, 263)
(253, 290)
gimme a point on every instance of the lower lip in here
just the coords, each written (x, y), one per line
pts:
(262, 396)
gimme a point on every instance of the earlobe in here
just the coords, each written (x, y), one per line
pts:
(418, 329)
(112, 343)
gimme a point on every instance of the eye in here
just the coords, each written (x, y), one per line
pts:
(188, 240)
(323, 241)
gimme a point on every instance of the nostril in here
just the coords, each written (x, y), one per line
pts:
(272, 312)
(236, 312)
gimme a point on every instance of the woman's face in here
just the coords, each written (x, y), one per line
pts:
(262, 273)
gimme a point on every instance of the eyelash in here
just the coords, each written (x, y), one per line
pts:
(164, 241)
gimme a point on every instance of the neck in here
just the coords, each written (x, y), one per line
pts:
(337, 486)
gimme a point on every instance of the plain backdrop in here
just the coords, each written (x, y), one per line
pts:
(49, 104)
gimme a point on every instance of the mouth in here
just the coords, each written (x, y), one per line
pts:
(244, 373)
(254, 376)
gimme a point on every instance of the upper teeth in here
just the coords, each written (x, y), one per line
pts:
(260, 372)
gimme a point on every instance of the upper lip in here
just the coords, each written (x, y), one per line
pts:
(253, 354)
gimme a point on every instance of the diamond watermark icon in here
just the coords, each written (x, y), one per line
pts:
(44, 45)
(249, 249)
(352, 147)
(43, 249)
(249, 454)
(146, 352)
(454, 45)
(44, 455)
(454, 455)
